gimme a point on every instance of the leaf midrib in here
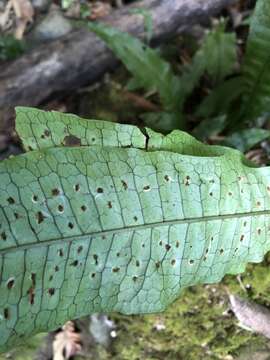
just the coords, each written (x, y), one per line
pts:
(135, 227)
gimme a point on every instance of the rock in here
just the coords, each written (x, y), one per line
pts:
(101, 329)
(41, 5)
(53, 26)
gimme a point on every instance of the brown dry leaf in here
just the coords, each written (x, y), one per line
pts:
(252, 316)
(67, 343)
(100, 9)
(24, 12)
(5, 16)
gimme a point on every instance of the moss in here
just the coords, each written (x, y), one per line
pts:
(26, 351)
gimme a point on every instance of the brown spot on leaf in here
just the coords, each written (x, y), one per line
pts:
(10, 200)
(71, 140)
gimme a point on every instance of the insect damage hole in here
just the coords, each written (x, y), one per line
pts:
(83, 208)
(10, 200)
(55, 192)
(3, 236)
(71, 140)
(77, 187)
(6, 313)
(146, 188)
(35, 198)
(100, 190)
(10, 283)
(70, 225)
(40, 217)
(51, 291)
(60, 208)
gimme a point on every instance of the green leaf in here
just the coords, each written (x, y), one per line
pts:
(221, 98)
(256, 75)
(220, 53)
(209, 127)
(161, 121)
(122, 222)
(146, 65)
(216, 56)
(244, 140)
(11, 48)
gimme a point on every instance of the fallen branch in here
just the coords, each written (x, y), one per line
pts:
(80, 58)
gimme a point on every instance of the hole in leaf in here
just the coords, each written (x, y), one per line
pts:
(6, 313)
(259, 231)
(83, 208)
(134, 278)
(71, 140)
(10, 283)
(40, 217)
(47, 132)
(55, 192)
(51, 277)
(118, 254)
(146, 188)
(60, 252)
(109, 204)
(16, 215)
(10, 200)
(99, 190)
(51, 291)
(125, 185)
(34, 198)
(77, 187)
(167, 247)
(157, 264)
(31, 295)
(61, 208)
(95, 258)
(191, 262)
(56, 268)
(137, 263)
(177, 244)
(75, 263)
(116, 269)
(33, 279)
(242, 237)
(160, 243)
(167, 178)
(70, 225)
(135, 218)
(221, 251)
(93, 275)
(173, 262)
(80, 248)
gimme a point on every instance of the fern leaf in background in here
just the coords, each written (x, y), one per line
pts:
(103, 217)
(216, 56)
(146, 65)
(256, 74)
